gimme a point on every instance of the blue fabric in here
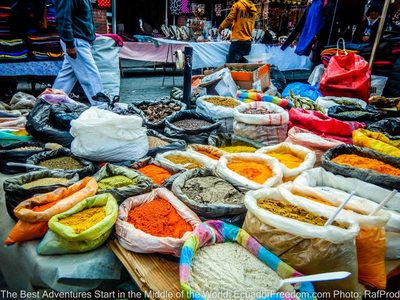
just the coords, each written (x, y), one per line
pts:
(313, 25)
(302, 89)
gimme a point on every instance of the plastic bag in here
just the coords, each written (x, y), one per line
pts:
(376, 141)
(158, 125)
(12, 136)
(212, 232)
(330, 101)
(384, 180)
(32, 222)
(211, 210)
(191, 136)
(323, 125)
(87, 167)
(62, 239)
(390, 127)
(15, 193)
(392, 246)
(8, 154)
(378, 84)
(346, 76)
(141, 183)
(316, 143)
(8, 121)
(204, 160)
(303, 90)
(309, 248)
(243, 183)
(220, 83)
(138, 241)
(100, 135)
(228, 139)
(355, 113)
(308, 157)
(370, 242)
(61, 115)
(316, 75)
(174, 144)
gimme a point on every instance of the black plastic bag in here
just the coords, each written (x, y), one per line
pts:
(390, 127)
(236, 220)
(39, 122)
(214, 210)
(229, 139)
(142, 184)
(151, 161)
(7, 154)
(383, 180)
(354, 113)
(88, 168)
(174, 144)
(159, 125)
(191, 136)
(15, 193)
(61, 115)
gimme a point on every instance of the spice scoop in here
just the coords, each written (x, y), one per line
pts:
(316, 277)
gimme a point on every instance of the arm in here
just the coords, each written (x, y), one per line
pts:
(64, 22)
(229, 19)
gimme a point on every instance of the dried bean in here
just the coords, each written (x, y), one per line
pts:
(191, 123)
(62, 162)
(155, 142)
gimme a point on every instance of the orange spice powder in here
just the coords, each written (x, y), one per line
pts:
(209, 154)
(255, 171)
(157, 174)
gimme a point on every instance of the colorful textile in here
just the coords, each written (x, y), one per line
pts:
(247, 97)
(211, 232)
(38, 68)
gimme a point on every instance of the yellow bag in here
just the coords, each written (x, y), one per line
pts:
(376, 141)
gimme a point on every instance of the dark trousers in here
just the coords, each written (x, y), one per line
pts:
(237, 51)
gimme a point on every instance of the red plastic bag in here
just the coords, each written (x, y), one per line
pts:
(346, 76)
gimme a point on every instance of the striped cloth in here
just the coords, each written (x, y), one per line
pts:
(211, 232)
(247, 97)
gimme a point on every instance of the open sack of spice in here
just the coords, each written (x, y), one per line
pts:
(159, 143)
(230, 143)
(364, 164)
(263, 122)
(34, 213)
(293, 159)
(121, 182)
(191, 126)
(185, 160)
(62, 160)
(159, 175)
(376, 141)
(311, 141)
(371, 240)
(389, 127)
(224, 260)
(84, 227)
(208, 195)
(248, 171)
(101, 135)
(18, 189)
(156, 222)
(207, 151)
(298, 237)
(219, 108)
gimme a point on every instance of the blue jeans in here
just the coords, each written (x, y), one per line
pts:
(237, 51)
(83, 69)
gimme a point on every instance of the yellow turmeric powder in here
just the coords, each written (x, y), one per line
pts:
(255, 171)
(187, 162)
(238, 149)
(288, 159)
(84, 219)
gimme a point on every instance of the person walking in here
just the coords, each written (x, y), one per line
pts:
(77, 33)
(242, 17)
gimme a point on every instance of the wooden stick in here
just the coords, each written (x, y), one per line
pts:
(332, 218)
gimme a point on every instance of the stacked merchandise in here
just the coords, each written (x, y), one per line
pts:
(5, 16)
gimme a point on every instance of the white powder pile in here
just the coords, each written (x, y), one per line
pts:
(229, 271)
(311, 137)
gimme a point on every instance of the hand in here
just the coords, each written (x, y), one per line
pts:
(365, 38)
(72, 53)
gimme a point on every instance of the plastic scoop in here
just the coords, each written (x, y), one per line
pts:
(316, 277)
(383, 203)
(29, 166)
(332, 218)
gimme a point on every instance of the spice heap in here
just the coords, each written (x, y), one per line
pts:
(28, 148)
(285, 209)
(258, 111)
(62, 162)
(159, 218)
(84, 219)
(45, 182)
(191, 124)
(159, 111)
(115, 182)
(157, 174)
(236, 273)
(354, 160)
(155, 142)
(213, 156)
(187, 162)
(211, 189)
(288, 159)
(223, 101)
(255, 171)
(238, 149)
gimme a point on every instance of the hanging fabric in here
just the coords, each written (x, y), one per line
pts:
(175, 7)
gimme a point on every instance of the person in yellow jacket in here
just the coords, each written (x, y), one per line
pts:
(242, 17)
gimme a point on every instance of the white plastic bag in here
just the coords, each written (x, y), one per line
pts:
(378, 84)
(392, 245)
(221, 82)
(316, 75)
(307, 155)
(330, 101)
(137, 240)
(206, 161)
(101, 135)
(243, 183)
(278, 115)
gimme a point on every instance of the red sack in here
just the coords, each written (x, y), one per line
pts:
(323, 125)
(346, 76)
